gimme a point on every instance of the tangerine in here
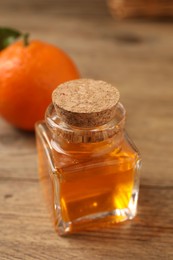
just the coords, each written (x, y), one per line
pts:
(28, 75)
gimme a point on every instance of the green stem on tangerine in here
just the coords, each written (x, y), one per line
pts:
(9, 35)
(26, 39)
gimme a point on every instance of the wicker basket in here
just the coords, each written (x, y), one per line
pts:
(141, 8)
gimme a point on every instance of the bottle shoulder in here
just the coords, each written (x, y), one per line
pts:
(125, 153)
(130, 146)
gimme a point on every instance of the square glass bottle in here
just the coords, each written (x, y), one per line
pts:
(88, 166)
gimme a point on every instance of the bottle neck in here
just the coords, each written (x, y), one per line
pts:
(88, 149)
(76, 140)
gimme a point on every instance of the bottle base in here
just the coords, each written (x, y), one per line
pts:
(98, 220)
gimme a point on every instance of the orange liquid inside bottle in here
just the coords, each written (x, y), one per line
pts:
(89, 184)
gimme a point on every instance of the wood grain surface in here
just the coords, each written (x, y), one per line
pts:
(138, 58)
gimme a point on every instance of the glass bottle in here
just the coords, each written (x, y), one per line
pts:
(89, 168)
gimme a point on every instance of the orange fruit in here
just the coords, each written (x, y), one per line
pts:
(28, 75)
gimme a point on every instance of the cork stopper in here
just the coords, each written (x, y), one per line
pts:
(85, 102)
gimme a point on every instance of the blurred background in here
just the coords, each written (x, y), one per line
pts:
(129, 44)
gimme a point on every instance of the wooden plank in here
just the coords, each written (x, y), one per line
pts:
(138, 58)
(26, 230)
(88, 8)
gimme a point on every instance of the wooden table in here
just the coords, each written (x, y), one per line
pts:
(138, 58)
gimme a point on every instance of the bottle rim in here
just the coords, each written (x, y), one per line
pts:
(84, 134)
